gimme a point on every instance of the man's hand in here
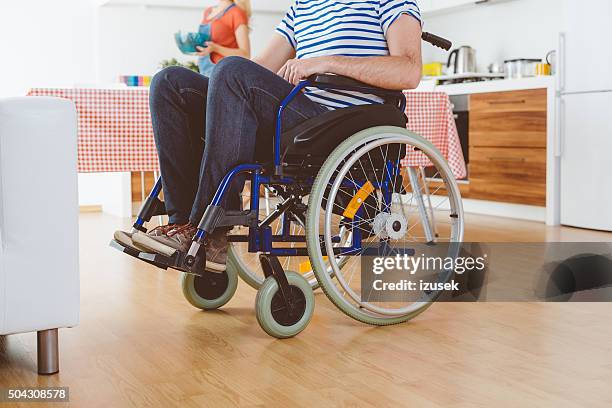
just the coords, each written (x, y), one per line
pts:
(295, 70)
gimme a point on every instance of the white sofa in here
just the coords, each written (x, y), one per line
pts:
(39, 266)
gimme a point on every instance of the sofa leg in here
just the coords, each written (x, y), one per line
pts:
(48, 352)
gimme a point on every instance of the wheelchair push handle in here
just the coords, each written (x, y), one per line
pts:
(437, 41)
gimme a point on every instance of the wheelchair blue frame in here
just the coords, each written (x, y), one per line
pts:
(260, 238)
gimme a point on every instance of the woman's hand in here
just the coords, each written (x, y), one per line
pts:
(295, 70)
(209, 49)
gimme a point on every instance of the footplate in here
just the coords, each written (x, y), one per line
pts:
(158, 260)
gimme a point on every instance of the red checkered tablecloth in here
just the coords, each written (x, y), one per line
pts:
(115, 133)
(430, 115)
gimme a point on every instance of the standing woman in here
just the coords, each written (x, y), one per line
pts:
(229, 30)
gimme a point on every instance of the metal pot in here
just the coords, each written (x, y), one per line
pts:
(462, 60)
(521, 67)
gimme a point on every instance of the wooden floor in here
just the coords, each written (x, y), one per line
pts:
(141, 344)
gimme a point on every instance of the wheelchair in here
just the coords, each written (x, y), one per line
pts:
(334, 186)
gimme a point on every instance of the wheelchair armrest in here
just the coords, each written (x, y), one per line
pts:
(339, 82)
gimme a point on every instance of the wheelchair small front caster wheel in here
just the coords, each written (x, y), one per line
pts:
(209, 291)
(275, 316)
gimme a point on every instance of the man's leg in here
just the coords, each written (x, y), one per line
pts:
(178, 112)
(243, 97)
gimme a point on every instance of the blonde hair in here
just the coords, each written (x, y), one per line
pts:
(245, 5)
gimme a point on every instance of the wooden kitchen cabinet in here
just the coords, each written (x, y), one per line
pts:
(508, 119)
(515, 175)
(149, 183)
(507, 146)
(137, 184)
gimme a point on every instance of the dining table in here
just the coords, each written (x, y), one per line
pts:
(115, 132)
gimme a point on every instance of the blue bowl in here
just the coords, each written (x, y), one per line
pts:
(187, 42)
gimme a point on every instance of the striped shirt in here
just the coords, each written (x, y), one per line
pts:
(354, 28)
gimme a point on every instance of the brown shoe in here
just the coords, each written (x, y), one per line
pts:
(216, 246)
(162, 230)
(167, 241)
(125, 239)
(180, 239)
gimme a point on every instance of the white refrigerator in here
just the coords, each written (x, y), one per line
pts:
(585, 114)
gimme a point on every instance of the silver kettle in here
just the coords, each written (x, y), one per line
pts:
(462, 60)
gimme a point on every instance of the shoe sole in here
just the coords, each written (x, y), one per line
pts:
(125, 239)
(215, 267)
(150, 244)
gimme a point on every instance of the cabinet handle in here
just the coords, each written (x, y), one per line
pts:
(512, 102)
(561, 63)
(560, 139)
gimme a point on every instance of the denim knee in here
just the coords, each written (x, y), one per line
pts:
(163, 80)
(231, 68)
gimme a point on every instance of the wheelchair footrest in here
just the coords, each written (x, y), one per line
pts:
(158, 260)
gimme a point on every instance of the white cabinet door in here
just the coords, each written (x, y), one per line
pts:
(586, 57)
(586, 186)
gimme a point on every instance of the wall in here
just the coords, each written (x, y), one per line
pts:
(45, 43)
(68, 42)
(134, 39)
(263, 25)
(499, 31)
(51, 44)
(112, 191)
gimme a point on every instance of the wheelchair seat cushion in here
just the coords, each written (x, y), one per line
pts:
(319, 136)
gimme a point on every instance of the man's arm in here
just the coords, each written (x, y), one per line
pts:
(400, 70)
(276, 54)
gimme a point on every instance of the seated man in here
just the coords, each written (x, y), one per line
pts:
(206, 126)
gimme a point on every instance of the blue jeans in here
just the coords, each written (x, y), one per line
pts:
(204, 127)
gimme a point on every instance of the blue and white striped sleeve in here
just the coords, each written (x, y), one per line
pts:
(390, 10)
(286, 27)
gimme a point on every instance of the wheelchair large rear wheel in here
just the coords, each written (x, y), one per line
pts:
(414, 206)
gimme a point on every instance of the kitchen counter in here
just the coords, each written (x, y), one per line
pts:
(551, 213)
(498, 85)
